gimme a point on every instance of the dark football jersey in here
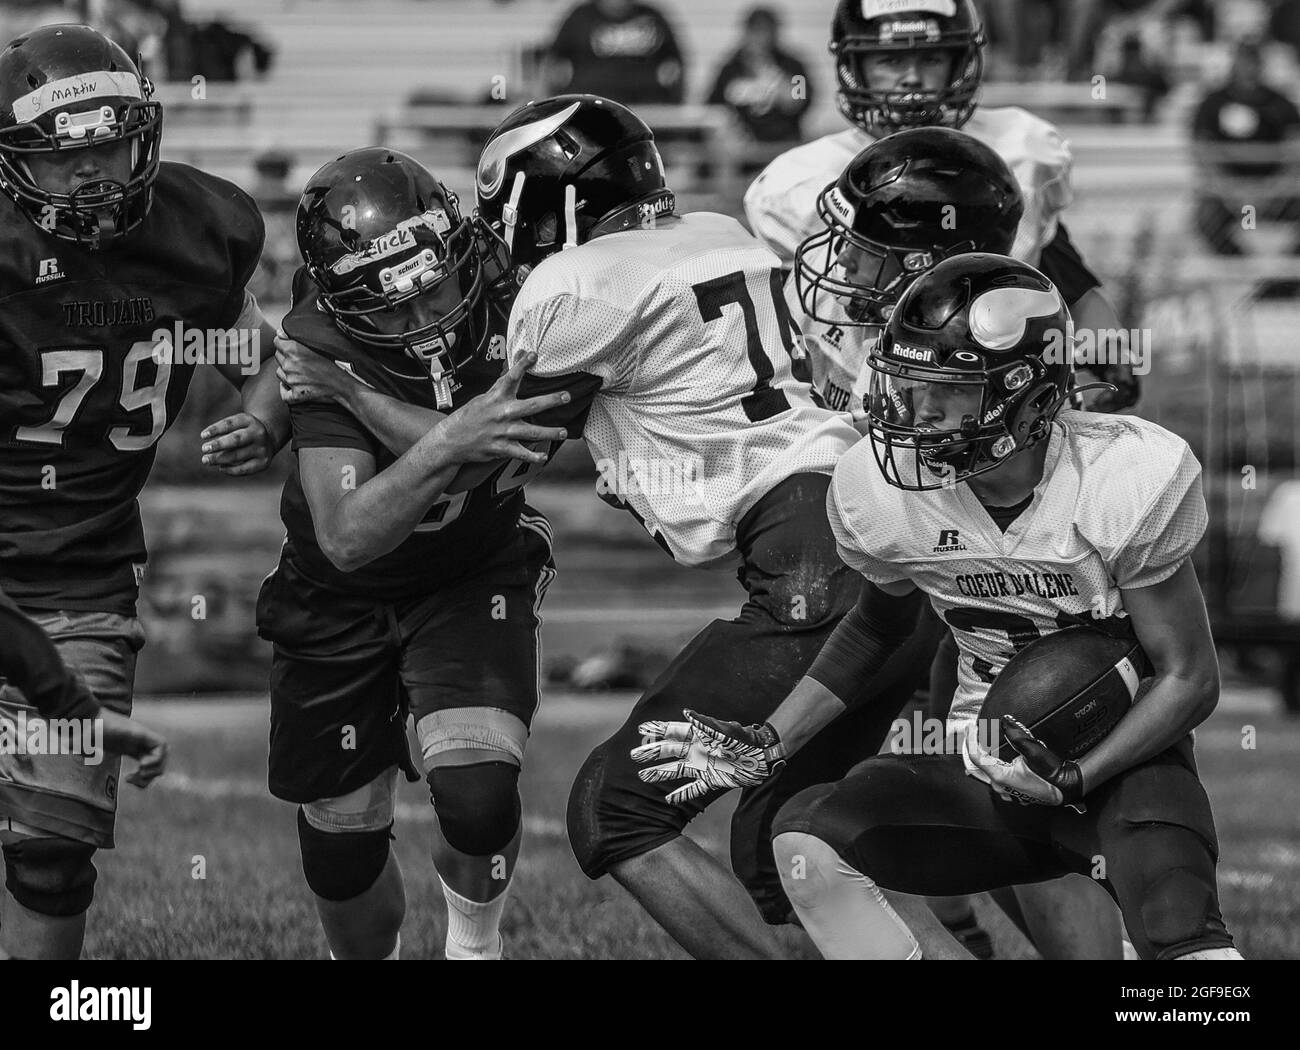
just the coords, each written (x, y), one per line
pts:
(84, 397)
(457, 530)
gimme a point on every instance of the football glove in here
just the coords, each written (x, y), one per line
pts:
(1037, 776)
(711, 754)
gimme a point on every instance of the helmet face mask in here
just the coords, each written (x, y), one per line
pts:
(904, 204)
(398, 268)
(63, 90)
(972, 368)
(867, 33)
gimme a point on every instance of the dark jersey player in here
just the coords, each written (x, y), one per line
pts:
(109, 253)
(394, 594)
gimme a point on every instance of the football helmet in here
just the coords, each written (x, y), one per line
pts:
(864, 29)
(377, 231)
(982, 344)
(558, 172)
(68, 87)
(904, 203)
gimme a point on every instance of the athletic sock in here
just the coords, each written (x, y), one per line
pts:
(473, 927)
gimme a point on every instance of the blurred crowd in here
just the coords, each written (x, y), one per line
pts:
(174, 46)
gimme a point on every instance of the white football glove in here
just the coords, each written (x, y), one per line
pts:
(710, 754)
(1014, 781)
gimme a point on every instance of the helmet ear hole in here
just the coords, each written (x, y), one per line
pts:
(1030, 413)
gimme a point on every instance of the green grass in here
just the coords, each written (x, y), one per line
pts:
(252, 902)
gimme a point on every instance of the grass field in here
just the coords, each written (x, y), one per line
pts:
(211, 816)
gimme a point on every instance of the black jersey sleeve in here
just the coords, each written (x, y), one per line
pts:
(30, 661)
(582, 387)
(325, 424)
(1065, 268)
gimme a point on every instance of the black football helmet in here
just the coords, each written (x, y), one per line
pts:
(68, 87)
(559, 172)
(863, 29)
(982, 328)
(376, 230)
(904, 203)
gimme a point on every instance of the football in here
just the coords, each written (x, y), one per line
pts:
(1069, 689)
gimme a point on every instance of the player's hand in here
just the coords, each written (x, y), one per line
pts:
(124, 736)
(494, 426)
(308, 376)
(1023, 780)
(710, 754)
(238, 445)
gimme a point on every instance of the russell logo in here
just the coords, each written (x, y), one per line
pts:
(48, 270)
(949, 542)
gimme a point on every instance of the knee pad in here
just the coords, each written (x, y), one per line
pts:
(340, 865)
(50, 876)
(369, 808)
(477, 805)
(1176, 910)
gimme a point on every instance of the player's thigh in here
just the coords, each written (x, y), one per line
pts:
(471, 654)
(73, 794)
(854, 736)
(918, 824)
(338, 709)
(1149, 834)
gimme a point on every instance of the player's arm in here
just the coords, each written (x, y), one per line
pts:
(245, 443)
(360, 515)
(711, 754)
(305, 375)
(1171, 623)
(29, 660)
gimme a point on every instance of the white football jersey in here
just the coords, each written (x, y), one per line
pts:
(781, 204)
(1119, 506)
(837, 353)
(699, 413)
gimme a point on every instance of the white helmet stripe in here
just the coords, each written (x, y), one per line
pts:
(58, 94)
(999, 317)
(497, 153)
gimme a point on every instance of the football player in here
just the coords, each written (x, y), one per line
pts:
(109, 252)
(1016, 518)
(672, 336)
(393, 593)
(905, 203)
(918, 63)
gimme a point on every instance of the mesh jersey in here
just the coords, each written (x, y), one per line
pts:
(698, 413)
(837, 353)
(459, 529)
(1120, 506)
(781, 205)
(84, 398)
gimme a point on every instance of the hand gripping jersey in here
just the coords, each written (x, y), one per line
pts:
(1119, 506)
(457, 530)
(84, 393)
(781, 204)
(681, 356)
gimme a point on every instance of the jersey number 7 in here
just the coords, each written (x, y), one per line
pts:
(765, 400)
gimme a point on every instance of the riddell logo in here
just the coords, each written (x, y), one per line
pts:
(949, 542)
(48, 271)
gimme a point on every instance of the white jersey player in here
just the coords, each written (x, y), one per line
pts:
(916, 63)
(1016, 520)
(671, 336)
(903, 204)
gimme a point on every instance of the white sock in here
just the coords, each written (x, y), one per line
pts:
(394, 954)
(1213, 954)
(472, 926)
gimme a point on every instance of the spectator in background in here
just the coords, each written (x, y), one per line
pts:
(1137, 69)
(763, 84)
(1244, 112)
(620, 49)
